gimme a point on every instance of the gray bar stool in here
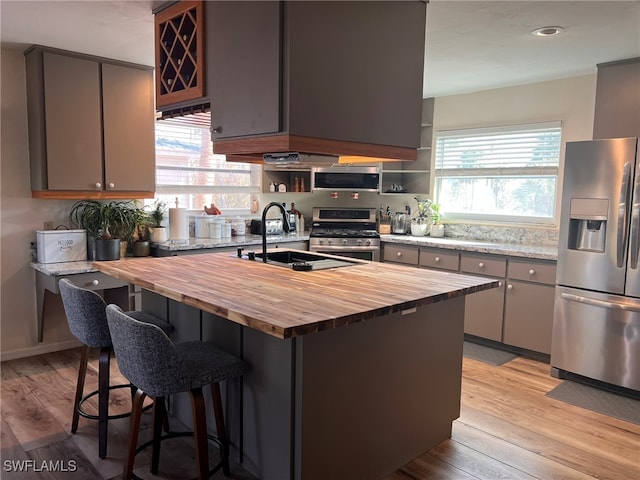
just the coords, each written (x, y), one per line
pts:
(86, 315)
(159, 368)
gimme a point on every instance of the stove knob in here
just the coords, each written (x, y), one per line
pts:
(345, 241)
(360, 241)
(321, 242)
(329, 242)
(368, 242)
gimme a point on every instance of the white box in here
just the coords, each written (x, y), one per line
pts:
(61, 245)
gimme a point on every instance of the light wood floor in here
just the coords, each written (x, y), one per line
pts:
(508, 429)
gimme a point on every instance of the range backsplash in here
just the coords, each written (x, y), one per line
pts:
(517, 235)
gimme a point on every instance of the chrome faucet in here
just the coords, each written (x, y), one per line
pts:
(285, 225)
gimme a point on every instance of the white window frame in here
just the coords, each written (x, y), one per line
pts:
(251, 169)
(498, 171)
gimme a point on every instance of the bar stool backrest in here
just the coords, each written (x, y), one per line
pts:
(146, 356)
(86, 314)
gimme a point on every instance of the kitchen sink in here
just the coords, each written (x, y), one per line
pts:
(304, 260)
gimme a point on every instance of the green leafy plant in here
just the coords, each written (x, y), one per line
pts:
(157, 213)
(435, 213)
(421, 216)
(106, 220)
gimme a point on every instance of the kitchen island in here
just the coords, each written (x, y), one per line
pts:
(355, 370)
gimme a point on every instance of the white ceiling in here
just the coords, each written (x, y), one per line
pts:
(471, 45)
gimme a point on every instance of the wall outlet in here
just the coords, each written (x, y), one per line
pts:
(48, 225)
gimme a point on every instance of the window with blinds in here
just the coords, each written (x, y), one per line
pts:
(187, 169)
(498, 174)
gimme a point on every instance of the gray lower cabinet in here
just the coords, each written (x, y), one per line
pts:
(484, 310)
(405, 254)
(519, 312)
(483, 313)
(439, 259)
(528, 316)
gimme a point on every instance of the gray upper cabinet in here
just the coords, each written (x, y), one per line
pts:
(243, 55)
(91, 126)
(321, 77)
(617, 112)
(129, 131)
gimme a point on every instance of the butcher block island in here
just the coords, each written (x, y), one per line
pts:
(356, 369)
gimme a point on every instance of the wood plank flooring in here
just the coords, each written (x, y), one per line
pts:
(508, 429)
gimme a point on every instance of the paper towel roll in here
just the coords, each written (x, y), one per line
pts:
(178, 225)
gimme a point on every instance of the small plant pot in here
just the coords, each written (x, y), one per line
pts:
(437, 230)
(107, 249)
(141, 249)
(158, 234)
(419, 229)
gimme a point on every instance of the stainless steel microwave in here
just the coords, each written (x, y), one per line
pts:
(358, 179)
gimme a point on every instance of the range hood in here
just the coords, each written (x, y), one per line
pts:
(315, 77)
(296, 159)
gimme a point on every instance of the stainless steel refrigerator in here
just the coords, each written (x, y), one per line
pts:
(596, 327)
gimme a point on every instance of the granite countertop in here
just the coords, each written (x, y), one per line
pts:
(239, 241)
(71, 268)
(540, 252)
(64, 268)
(285, 303)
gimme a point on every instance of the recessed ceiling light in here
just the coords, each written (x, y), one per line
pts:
(547, 31)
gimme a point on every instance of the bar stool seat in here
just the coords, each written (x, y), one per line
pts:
(87, 319)
(159, 368)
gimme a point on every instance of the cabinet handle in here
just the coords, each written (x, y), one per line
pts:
(481, 265)
(98, 185)
(95, 283)
(509, 287)
(112, 185)
(216, 129)
(399, 254)
(500, 284)
(532, 272)
(437, 259)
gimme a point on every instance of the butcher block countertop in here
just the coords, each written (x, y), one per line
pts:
(286, 303)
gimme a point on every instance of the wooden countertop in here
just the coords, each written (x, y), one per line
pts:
(286, 303)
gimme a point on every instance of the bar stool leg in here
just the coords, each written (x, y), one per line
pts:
(134, 429)
(222, 432)
(103, 400)
(200, 433)
(82, 372)
(159, 419)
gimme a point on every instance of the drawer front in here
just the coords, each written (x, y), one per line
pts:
(539, 272)
(438, 259)
(401, 254)
(94, 281)
(483, 265)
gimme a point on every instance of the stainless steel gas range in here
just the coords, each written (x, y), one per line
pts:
(349, 232)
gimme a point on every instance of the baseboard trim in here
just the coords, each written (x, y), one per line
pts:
(39, 349)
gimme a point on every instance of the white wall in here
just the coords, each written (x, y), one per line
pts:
(570, 100)
(20, 217)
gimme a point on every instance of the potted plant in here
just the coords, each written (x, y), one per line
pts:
(157, 232)
(421, 221)
(107, 225)
(141, 246)
(437, 229)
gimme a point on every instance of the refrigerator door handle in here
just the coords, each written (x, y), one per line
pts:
(635, 224)
(622, 216)
(600, 303)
